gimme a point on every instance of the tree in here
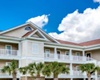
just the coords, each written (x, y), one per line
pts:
(38, 69)
(89, 68)
(46, 70)
(11, 69)
(33, 69)
(58, 68)
(28, 69)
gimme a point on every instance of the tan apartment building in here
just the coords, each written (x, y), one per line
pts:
(28, 43)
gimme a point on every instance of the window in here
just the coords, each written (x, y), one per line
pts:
(78, 53)
(67, 53)
(28, 28)
(8, 49)
(47, 52)
(58, 53)
(35, 48)
(77, 68)
(7, 63)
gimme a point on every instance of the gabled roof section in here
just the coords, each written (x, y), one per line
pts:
(40, 35)
(89, 43)
(44, 33)
(27, 33)
(35, 34)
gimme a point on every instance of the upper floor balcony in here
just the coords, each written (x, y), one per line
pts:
(9, 54)
(67, 58)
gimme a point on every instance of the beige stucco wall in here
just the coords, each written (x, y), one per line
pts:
(14, 46)
(95, 54)
(17, 32)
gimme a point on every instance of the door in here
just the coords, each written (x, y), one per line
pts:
(88, 55)
(47, 52)
(58, 53)
(8, 49)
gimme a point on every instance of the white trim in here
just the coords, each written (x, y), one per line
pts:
(7, 63)
(47, 49)
(76, 53)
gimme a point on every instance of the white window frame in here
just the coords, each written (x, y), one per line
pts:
(78, 53)
(8, 45)
(48, 50)
(8, 52)
(7, 63)
(47, 54)
(36, 49)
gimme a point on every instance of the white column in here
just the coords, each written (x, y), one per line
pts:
(55, 52)
(71, 69)
(70, 53)
(96, 78)
(19, 54)
(71, 78)
(83, 52)
(26, 73)
(84, 79)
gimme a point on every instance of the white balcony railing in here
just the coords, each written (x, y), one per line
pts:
(5, 52)
(59, 56)
(67, 57)
(76, 72)
(78, 58)
(49, 56)
(62, 57)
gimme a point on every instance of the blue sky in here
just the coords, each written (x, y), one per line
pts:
(16, 12)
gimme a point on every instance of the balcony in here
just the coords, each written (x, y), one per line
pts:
(58, 57)
(9, 54)
(67, 58)
(75, 74)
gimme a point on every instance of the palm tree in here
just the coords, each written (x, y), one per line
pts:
(46, 70)
(38, 69)
(89, 68)
(23, 70)
(58, 68)
(11, 69)
(32, 69)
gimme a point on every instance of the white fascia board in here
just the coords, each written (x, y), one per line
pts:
(10, 38)
(30, 38)
(64, 45)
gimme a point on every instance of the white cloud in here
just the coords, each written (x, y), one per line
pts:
(96, 1)
(39, 20)
(79, 27)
